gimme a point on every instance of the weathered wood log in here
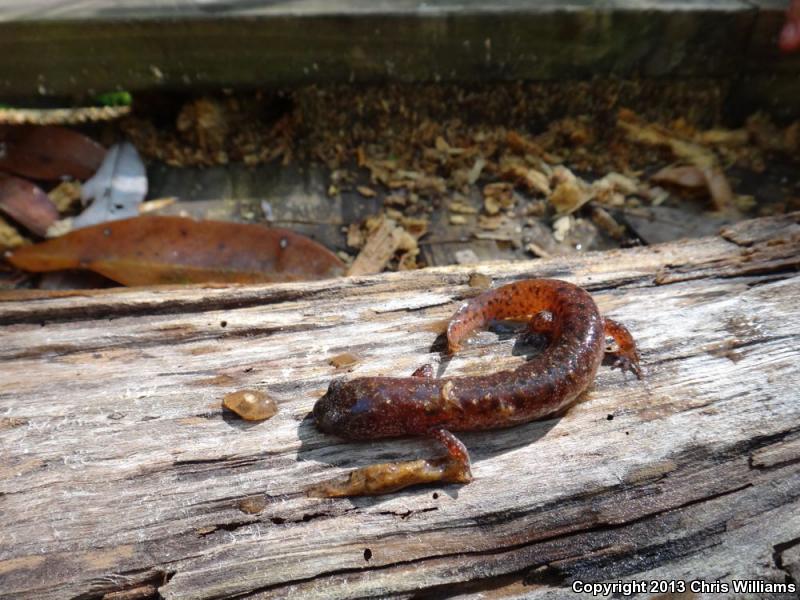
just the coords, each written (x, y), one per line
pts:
(121, 476)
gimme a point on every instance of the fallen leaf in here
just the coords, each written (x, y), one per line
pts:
(48, 152)
(118, 187)
(154, 250)
(27, 204)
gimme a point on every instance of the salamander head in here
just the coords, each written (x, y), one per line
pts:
(332, 411)
(355, 409)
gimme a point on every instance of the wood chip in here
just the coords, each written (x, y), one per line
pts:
(66, 195)
(497, 196)
(9, 236)
(570, 193)
(461, 207)
(656, 135)
(686, 177)
(607, 223)
(61, 116)
(480, 281)
(341, 361)
(381, 245)
(252, 505)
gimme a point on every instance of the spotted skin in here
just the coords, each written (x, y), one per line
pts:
(382, 407)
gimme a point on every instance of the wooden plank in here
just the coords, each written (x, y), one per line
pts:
(118, 470)
(155, 45)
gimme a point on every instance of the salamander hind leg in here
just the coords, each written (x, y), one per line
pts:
(384, 478)
(626, 355)
(456, 466)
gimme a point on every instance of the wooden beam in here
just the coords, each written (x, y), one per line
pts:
(51, 47)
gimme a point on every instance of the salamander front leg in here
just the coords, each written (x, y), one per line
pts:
(425, 370)
(626, 356)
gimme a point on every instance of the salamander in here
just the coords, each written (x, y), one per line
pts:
(367, 408)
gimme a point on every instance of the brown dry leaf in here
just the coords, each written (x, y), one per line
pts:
(167, 250)
(458, 220)
(48, 152)
(367, 192)
(27, 204)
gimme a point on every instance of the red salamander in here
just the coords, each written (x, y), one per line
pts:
(380, 407)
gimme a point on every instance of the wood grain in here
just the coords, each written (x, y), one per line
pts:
(120, 476)
(151, 45)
